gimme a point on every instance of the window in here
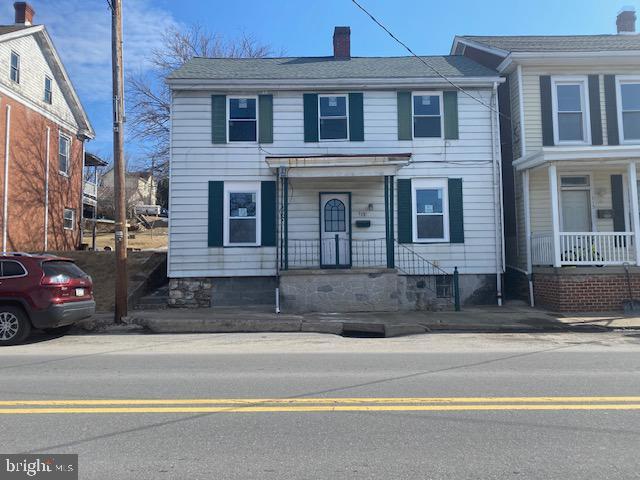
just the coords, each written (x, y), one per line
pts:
(443, 286)
(15, 67)
(69, 219)
(243, 123)
(629, 108)
(334, 216)
(427, 116)
(571, 117)
(11, 268)
(63, 154)
(430, 210)
(48, 92)
(334, 117)
(242, 214)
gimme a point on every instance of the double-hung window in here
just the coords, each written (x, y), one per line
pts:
(243, 119)
(242, 214)
(629, 109)
(69, 216)
(64, 143)
(430, 210)
(333, 117)
(15, 67)
(48, 89)
(570, 111)
(427, 115)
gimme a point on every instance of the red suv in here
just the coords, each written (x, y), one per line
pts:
(41, 291)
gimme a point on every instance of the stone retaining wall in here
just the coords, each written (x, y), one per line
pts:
(190, 292)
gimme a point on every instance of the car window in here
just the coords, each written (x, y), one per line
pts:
(12, 269)
(62, 267)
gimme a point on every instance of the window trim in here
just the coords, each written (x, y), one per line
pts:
(24, 269)
(620, 79)
(13, 52)
(48, 101)
(242, 187)
(430, 183)
(68, 138)
(582, 81)
(237, 97)
(320, 117)
(440, 95)
(73, 218)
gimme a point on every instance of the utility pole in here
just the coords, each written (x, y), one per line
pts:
(118, 159)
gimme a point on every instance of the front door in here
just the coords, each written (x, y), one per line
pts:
(335, 230)
(576, 211)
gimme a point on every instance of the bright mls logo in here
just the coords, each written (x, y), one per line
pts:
(51, 467)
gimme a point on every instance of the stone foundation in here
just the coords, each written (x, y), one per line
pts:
(190, 292)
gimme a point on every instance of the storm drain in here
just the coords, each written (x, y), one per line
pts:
(363, 330)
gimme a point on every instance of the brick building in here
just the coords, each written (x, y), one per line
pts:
(43, 128)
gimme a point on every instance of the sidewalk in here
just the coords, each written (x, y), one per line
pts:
(512, 318)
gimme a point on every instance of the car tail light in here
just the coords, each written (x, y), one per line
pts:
(59, 279)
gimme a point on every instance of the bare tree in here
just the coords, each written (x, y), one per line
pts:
(149, 96)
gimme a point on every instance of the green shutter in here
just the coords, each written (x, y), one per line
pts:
(405, 213)
(218, 119)
(617, 203)
(268, 211)
(546, 111)
(594, 110)
(216, 217)
(450, 100)
(310, 105)
(611, 104)
(405, 130)
(356, 117)
(265, 118)
(456, 211)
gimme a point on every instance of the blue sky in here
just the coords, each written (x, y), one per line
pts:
(81, 31)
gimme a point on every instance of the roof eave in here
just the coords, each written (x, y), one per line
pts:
(565, 58)
(480, 46)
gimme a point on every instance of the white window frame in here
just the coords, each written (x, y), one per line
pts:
(50, 99)
(242, 187)
(581, 81)
(68, 138)
(424, 184)
(73, 219)
(239, 97)
(17, 80)
(621, 79)
(589, 188)
(320, 117)
(440, 96)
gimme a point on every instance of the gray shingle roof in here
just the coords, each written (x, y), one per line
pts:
(559, 43)
(327, 68)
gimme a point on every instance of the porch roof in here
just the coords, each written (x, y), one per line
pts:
(615, 154)
(365, 165)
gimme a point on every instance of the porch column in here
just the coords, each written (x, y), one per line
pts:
(633, 201)
(555, 213)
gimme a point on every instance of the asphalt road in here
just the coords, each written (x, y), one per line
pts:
(307, 406)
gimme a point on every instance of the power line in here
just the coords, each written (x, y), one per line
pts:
(434, 69)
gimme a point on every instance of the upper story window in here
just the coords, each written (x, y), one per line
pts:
(629, 109)
(242, 214)
(64, 144)
(243, 119)
(68, 218)
(15, 67)
(430, 210)
(333, 117)
(427, 115)
(48, 89)
(570, 112)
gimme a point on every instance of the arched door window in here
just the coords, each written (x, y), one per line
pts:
(334, 216)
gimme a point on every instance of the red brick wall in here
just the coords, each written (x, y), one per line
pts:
(26, 192)
(584, 293)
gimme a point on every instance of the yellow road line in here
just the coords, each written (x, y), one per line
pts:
(319, 401)
(326, 408)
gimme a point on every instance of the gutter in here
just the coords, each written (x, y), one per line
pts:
(497, 191)
(46, 192)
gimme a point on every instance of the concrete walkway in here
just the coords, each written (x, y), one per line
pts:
(514, 317)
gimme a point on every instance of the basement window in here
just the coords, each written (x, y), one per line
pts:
(15, 67)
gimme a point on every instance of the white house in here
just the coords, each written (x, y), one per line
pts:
(349, 183)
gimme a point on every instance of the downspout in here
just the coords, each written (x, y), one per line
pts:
(497, 192)
(46, 192)
(5, 193)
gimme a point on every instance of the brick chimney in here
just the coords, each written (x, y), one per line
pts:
(626, 21)
(24, 13)
(342, 43)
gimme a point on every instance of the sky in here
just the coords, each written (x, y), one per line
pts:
(81, 32)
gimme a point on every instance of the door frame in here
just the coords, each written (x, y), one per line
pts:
(346, 265)
(594, 226)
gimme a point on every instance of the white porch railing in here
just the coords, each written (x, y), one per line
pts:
(584, 248)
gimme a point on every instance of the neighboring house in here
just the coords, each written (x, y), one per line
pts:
(350, 183)
(90, 196)
(43, 128)
(140, 187)
(571, 124)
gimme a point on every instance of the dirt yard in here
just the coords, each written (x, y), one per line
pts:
(152, 239)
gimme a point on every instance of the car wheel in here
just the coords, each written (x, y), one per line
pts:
(14, 325)
(58, 330)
